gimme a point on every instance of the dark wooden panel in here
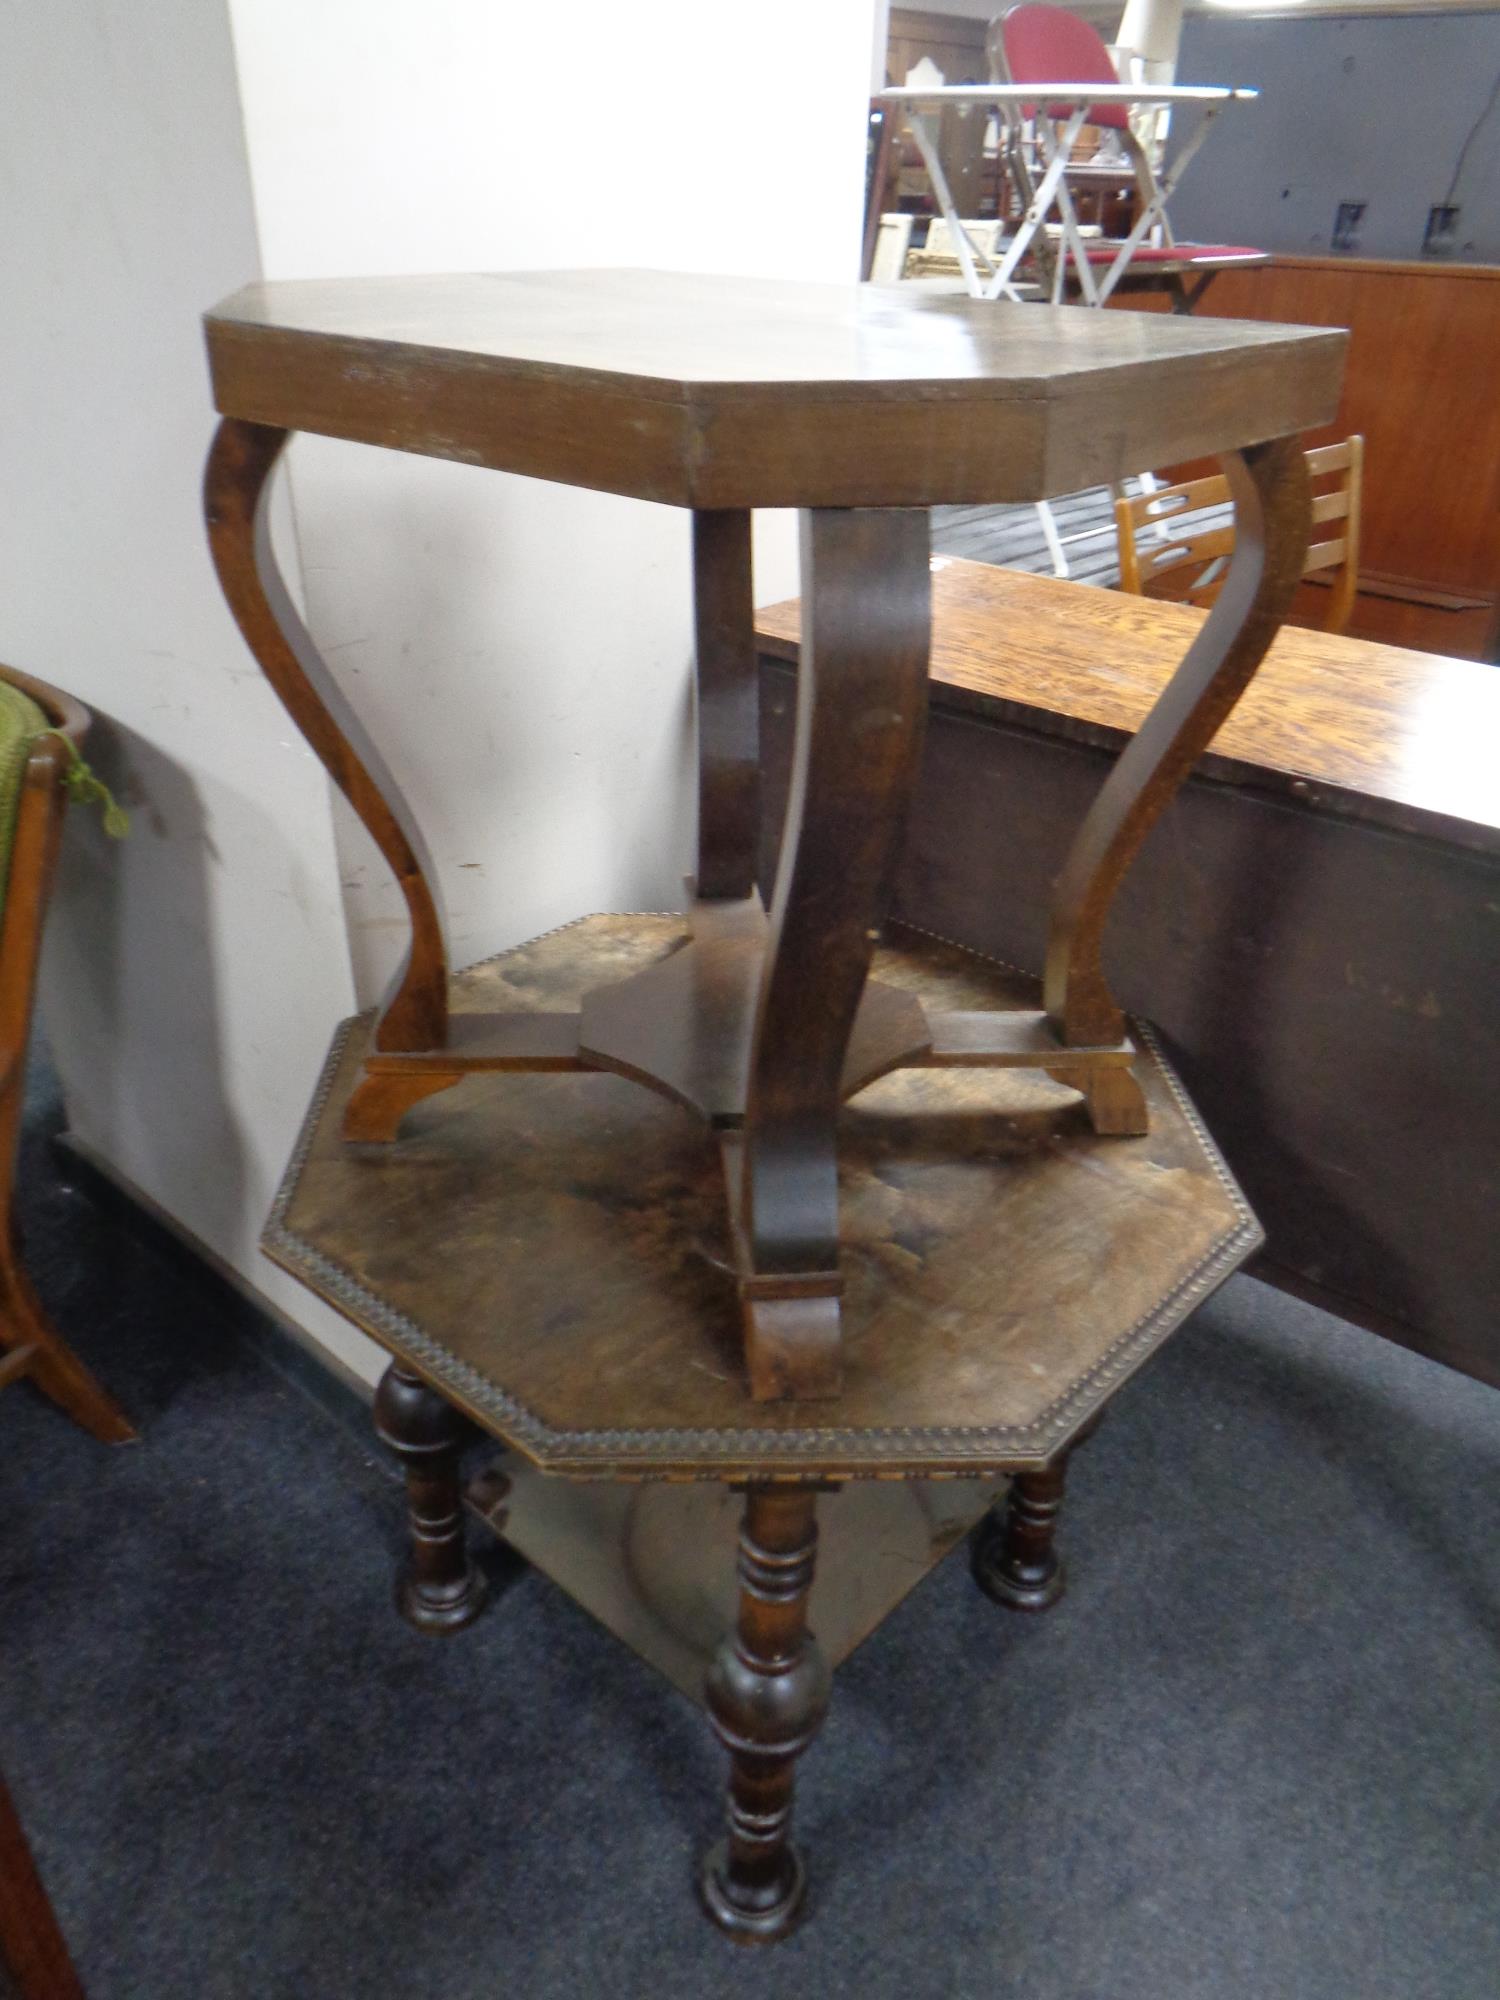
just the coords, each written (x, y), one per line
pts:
(1327, 988)
(1420, 386)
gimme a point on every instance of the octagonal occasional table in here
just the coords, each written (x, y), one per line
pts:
(753, 1196)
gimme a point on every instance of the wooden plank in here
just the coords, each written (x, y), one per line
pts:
(1400, 738)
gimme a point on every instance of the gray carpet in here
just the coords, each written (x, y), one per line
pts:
(1254, 1753)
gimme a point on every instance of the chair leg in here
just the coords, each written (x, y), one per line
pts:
(31, 1945)
(49, 1362)
(439, 1589)
(767, 1693)
(1014, 1552)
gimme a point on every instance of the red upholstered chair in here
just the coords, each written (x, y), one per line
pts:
(1043, 44)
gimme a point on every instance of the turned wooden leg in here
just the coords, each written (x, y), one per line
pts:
(767, 1693)
(1015, 1557)
(438, 1588)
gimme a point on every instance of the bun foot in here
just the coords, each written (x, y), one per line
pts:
(439, 1608)
(1014, 1559)
(438, 1587)
(762, 1915)
(1017, 1584)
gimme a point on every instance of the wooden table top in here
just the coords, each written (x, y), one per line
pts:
(716, 392)
(553, 1249)
(1403, 739)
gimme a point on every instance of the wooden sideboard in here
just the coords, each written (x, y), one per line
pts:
(1420, 384)
(1314, 926)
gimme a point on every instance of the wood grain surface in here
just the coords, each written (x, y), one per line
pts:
(1404, 739)
(727, 392)
(552, 1253)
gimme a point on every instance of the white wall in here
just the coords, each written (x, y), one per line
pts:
(192, 969)
(520, 650)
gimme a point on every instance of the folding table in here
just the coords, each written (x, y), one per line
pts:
(1071, 104)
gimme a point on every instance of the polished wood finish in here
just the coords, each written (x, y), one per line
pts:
(30, 1346)
(1013, 1553)
(1188, 564)
(439, 1589)
(552, 1252)
(1015, 1558)
(1335, 862)
(726, 393)
(1420, 387)
(32, 1947)
(767, 1692)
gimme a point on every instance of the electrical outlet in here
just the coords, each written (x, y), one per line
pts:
(1345, 224)
(1439, 237)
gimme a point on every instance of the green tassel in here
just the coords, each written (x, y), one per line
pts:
(85, 789)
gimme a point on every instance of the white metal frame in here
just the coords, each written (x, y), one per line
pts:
(997, 279)
(1056, 139)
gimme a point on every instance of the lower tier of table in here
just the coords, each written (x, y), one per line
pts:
(552, 1252)
(655, 1562)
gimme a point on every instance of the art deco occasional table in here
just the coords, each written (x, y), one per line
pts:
(753, 1197)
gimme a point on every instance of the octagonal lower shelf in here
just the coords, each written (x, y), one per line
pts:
(551, 1249)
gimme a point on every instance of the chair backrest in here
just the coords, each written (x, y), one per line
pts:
(1042, 44)
(1176, 542)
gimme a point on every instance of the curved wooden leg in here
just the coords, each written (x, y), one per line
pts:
(1272, 524)
(767, 1693)
(438, 1589)
(414, 1014)
(861, 705)
(36, 1350)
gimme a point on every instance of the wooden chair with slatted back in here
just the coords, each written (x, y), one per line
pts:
(40, 728)
(1176, 542)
